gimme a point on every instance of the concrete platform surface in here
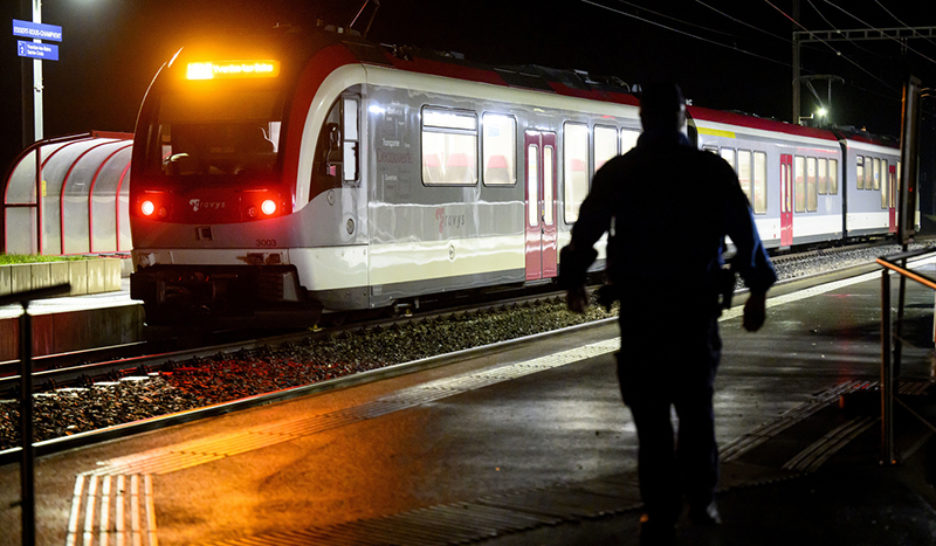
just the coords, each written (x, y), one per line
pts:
(529, 445)
(62, 325)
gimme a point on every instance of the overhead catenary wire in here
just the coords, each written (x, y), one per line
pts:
(671, 18)
(741, 22)
(684, 33)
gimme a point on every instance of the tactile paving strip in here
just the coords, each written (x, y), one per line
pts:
(738, 447)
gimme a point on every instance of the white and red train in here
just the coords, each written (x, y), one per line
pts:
(323, 171)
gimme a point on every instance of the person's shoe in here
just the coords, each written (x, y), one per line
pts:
(656, 533)
(705, 515)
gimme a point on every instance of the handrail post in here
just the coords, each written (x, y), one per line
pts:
(28, 455)
(887, 375)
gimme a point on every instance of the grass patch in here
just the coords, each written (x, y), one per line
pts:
(7, 259)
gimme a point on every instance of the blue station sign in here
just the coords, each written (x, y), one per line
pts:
(33, 50)
(37, 31)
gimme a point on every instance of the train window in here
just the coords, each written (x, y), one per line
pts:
(449, 147)
(628, 140)
(896, 185)
(893, 184)
(877, 173)
(575, 168)
(328, 169)
(729, 155)
(350, 130)
(498, 146)
(760, 183)
(869, 173)
(885, 197)
(533, 185)
(812, 199)
(833, 177)
(744, 172)
(822, 169)
(799, 184)
(606, 143)
(548, 199)
(859, 172)
(231, 134)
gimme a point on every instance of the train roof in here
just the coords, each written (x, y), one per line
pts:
(754, 122)
(562, 82)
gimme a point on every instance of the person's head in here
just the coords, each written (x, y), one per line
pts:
(662, 107)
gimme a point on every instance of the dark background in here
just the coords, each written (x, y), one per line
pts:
(112, 48)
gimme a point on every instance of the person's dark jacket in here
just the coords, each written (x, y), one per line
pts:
(668, 207)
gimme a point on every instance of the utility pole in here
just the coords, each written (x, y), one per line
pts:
(796, 64)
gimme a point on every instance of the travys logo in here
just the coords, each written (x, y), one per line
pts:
(197, 204)
(455, 221)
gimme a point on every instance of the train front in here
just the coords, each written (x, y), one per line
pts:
(213, 211)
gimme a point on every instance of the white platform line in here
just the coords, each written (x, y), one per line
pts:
(120, 528)
(89, 512)
(73, 517)
(135, 510)
(105, 511)
(150, 510)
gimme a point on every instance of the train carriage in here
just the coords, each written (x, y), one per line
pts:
(872, 172)
(789, 173)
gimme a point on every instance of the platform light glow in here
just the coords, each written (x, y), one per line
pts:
(210, 70)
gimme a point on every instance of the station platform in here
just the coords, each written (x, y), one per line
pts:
(530, 444)
(74, 323)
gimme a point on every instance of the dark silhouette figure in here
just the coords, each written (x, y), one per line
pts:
(667, 207)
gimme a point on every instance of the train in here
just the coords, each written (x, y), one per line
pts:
(311, 172)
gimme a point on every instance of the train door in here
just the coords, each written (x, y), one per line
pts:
(542, 233)
(786, 200)
(892, 199)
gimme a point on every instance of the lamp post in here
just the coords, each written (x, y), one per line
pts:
(37, 78)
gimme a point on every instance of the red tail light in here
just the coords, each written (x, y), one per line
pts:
(152, 204)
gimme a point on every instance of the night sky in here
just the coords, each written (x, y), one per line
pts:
(739, 59)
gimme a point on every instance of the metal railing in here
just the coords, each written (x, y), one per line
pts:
(27, 459)
(892, 342)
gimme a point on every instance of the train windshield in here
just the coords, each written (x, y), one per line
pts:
(200, 135)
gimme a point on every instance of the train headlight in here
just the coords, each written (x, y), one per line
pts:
(268, 207)
(147, 208)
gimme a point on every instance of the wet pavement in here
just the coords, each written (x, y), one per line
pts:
(530, 445)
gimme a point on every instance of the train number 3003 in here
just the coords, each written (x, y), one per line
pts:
(266, 243)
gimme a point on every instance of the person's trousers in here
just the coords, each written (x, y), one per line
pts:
(658, 375)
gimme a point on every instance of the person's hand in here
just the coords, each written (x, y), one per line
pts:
(577, 299)
(755, 311)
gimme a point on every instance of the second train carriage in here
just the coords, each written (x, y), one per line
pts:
(323, 171)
